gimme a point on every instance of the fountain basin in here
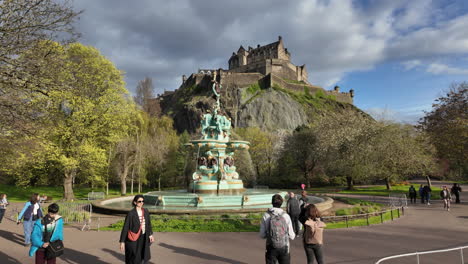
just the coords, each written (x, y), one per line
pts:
(181, 202)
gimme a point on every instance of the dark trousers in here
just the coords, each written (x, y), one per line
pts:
(457, 198)
(2, 213)
(277, 255)
(41, 257)
(413, 198)
(313, 251)
(295, 224)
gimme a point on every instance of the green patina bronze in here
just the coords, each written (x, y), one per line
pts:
(216, 172)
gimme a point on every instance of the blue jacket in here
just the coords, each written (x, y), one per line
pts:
(28, 210)
(37, 237)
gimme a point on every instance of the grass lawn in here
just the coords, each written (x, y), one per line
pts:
(363, 222)
(200, 223)
(23, 194)
(376, 190)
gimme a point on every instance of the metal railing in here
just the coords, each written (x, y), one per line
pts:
(417, 254)
(96, 196)
(393, 213)
(76, 213)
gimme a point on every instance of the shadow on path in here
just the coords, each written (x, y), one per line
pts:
(71, 255)
(116, 254)
(196, 253)
(7, 259)
(13, 237)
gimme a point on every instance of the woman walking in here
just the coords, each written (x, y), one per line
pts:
(137, 234)
(28, 215)
(47, 231)
(445, 195)
(3, 205)
(313, 234)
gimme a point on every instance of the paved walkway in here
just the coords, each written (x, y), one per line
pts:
(422, 228)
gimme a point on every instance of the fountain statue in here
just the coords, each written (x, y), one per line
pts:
(216, 172)
(216, 184)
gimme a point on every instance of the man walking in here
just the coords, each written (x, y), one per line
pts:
(294, 210)
(276, 227)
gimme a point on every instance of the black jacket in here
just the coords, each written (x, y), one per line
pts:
(132, 222)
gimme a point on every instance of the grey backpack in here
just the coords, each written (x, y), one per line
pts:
(278, 231)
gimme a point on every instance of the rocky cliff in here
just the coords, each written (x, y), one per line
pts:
(270, 108)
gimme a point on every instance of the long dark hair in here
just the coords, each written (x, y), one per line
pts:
(135, 199)
(312, 212)
(34, 198)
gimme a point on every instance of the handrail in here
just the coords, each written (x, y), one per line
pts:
(423, 253)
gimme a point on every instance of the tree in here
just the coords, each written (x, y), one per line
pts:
(342, 140)
(125, 159)
(83, 116)
(396, 152)
(158, 143)
(446, 126)
(24, 25)
(262, 151)
(145, 97)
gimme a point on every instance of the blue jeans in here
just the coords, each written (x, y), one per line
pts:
(28, 228)
(428, 197)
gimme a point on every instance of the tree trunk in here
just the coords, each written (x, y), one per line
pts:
(387, 184)
(68, 194)
(123, 181)
(428, 181)
(349, 182)
(133, 175)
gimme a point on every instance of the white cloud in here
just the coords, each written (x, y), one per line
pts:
(333, 37)
(438, 68)
(408, 65)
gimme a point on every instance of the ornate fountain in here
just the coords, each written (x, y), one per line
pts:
(216, 185)
(216, 173)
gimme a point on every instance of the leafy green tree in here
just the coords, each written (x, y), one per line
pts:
(159, 143)
(447, 125)
(397, 152)
(262, 151)
(24, 25)
(83, 116)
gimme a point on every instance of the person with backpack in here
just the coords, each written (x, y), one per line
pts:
(313, 234)
(47, 237)
(412, 194)
(29, 214)
(294, 210)
(277, 228)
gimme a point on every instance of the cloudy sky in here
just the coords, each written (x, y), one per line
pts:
(397, 55)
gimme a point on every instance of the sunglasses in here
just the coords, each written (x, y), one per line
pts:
(141, 201)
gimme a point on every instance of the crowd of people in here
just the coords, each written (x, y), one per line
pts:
(445, 194)
(44, 233)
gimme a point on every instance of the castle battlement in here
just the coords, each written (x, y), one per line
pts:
(267, 65)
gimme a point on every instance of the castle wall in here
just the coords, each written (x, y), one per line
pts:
(232, 79)
(342, 97)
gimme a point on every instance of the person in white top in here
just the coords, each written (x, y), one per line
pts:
(276, 228)
(3, 205)
(137, 234)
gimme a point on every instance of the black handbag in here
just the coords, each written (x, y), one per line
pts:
(55, 248)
